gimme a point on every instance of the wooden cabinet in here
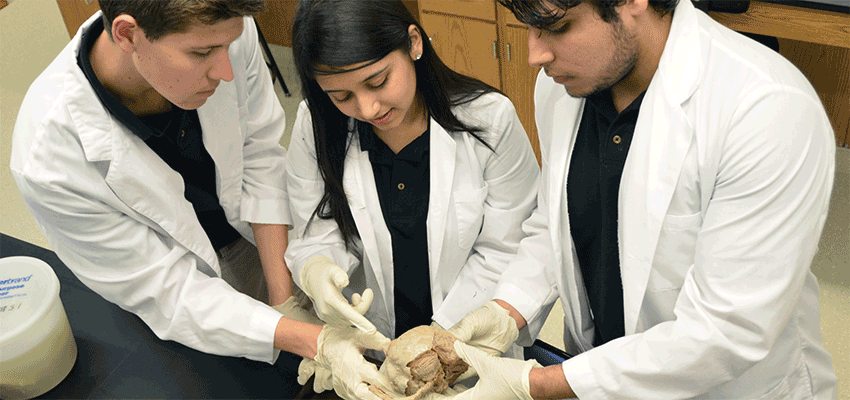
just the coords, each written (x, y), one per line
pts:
(467, 46)
(477, 9)
(75, 12)
(483, 40)
(276, 20)
(817, 42)
(518, 79)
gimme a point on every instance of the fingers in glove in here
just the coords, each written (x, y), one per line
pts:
(370, 374)
(476, 359)
(374, 341)
(323, 380)
(305, 370)
(362, 391)
(362, 303)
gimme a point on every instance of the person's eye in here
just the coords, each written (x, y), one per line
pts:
(379, 85)
(341, 99)
(557, 30)
(202, 54)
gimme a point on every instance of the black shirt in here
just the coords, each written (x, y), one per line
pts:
(403, 187)
(593, 187)
(175, 136)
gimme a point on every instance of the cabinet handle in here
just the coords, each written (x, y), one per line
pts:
(88, 2)
(509, 51)
(495, 54)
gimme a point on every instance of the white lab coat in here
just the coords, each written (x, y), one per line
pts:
(722, 201)
(116, 215)
(478, 200)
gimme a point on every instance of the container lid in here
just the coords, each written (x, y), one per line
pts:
(28, 289)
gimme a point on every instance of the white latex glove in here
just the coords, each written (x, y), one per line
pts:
(323, 380)
(489, 328)
(298, 307)
(323, 281)
(340, 351)
(499, 378)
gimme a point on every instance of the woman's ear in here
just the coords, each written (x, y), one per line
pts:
(126, 33)
(415, 42)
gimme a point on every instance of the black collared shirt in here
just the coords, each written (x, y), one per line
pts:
(403, 187)
(175, 136)
(593, 187)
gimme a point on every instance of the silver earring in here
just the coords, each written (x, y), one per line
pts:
(418, 56)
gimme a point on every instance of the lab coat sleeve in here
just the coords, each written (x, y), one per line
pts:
(306, 188)
(529, 283)
(264, 197)
(753, 253)
(143, 271)
(511, 175)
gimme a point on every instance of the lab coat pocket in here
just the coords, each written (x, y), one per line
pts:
(674, 254)
(469, 210)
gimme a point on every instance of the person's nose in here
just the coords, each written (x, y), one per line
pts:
(369, 106)
(222, 68)
(539, 54)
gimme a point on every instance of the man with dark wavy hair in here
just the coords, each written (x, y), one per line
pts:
(149, 154)
(687, 172)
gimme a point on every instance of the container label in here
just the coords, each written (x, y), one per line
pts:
(9, 288)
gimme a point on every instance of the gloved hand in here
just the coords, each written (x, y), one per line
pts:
(499, 378)
(489, 328)
(298, 307)
(340, 351)
(323, 281)
(323, 380)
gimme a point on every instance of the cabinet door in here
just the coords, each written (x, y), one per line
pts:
(75, 12)
(480, 9)
(276, 22)
(518, 79)
(465, 45)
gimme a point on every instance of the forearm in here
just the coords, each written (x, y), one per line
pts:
(549, 383)
(297, 337)
(520, 321)
(272, 240)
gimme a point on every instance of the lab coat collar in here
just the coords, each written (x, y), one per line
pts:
(564, 132)
(359, 183)
(441, 181)
(91, 119)
(663, 135)
(136, 174)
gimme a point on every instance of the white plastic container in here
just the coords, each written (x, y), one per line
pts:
(37, 348)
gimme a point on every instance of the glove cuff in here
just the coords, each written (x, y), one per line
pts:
(509, 324)
(526, 379)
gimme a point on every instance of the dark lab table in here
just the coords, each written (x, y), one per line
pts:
(120, 357)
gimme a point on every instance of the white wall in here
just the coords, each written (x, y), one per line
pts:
(32, 33)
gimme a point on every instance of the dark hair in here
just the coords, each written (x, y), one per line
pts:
(535, 13)
(158, 18)
(339, 33)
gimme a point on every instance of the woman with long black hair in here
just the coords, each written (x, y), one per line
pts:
(408, 182)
